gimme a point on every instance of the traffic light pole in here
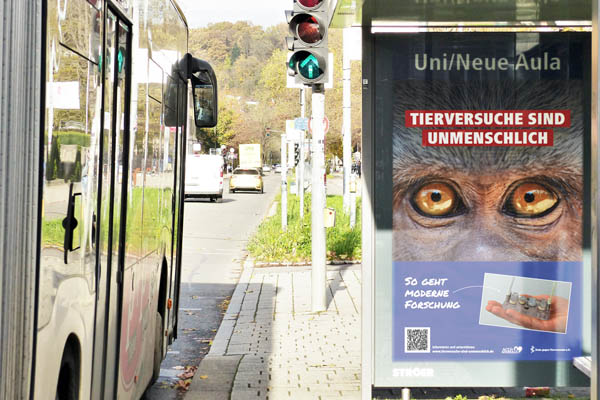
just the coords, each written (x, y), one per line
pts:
(301, 162)
(283, 182)
(301, 176)
(319, 270)
(347, 125)
(352, 200)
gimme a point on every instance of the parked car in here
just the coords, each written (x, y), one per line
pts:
(246, 179)
(277, 168)
(204, 176)
(266, 168)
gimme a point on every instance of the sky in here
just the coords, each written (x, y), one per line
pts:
(200, 13)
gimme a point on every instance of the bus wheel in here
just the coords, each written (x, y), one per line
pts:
(68, 386)
(158, 345)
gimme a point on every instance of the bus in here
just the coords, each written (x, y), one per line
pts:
(98, 100)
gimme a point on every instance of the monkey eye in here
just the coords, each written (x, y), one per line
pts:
(437, 199)
(530, 200)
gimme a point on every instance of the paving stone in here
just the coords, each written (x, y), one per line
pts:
(220, 374)
(285, 351)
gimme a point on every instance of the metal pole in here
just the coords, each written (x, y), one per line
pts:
(300, 180)
(405, 393)
(302, 102)
(594, 217)
(347, 121)
(352, 200)
(283, 183)
(301, 176)
(319, 272)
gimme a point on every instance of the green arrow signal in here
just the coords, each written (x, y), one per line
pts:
(309, 59)
(311, 66)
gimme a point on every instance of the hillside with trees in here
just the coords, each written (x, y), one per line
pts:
(250, 64)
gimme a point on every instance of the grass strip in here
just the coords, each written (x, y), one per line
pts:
(271, 244)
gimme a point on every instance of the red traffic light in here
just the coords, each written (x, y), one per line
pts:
(308, 30)
(309, 4)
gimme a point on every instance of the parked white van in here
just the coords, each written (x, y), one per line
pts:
(204, 176)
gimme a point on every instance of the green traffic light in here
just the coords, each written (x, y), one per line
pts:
(309, 67)
(307, 64)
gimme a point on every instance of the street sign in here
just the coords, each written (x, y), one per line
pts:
(289, 125)
(301, 124)
(325, 122)
(292, 134)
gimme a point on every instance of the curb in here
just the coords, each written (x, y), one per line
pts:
(214, 378)
(260, 264)
(223, 336)
(216, 373)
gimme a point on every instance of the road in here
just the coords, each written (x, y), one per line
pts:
(214, 242)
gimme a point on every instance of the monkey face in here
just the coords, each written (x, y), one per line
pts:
(488, 203)
(508, 216)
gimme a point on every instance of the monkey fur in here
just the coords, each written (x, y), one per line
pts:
(483, 177)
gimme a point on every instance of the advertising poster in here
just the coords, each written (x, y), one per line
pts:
(488, 138)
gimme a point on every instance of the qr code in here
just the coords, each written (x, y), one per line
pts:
(416, 340)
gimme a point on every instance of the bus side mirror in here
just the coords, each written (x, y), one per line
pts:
(205, 100)
(204, 89)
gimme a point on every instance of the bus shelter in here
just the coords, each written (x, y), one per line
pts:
(480, 244)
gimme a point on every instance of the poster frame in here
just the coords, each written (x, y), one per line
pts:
(369, 226)
(595, 214)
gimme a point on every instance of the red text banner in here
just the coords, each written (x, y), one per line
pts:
(487, 118)
(488, 137)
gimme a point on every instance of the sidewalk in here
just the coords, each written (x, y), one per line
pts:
(270, 345)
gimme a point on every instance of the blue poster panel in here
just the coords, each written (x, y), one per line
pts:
(487, 311)
(488, 132)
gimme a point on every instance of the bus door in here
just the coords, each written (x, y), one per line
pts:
(65, 310)
(180, 147)
(115, 135)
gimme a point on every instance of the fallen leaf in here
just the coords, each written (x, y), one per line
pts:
(203, 376)
(184, 385)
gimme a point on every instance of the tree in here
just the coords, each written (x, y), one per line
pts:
(223, 132)
(250, 63)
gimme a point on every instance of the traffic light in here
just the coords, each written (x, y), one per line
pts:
(308, 23)
(296, 154)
